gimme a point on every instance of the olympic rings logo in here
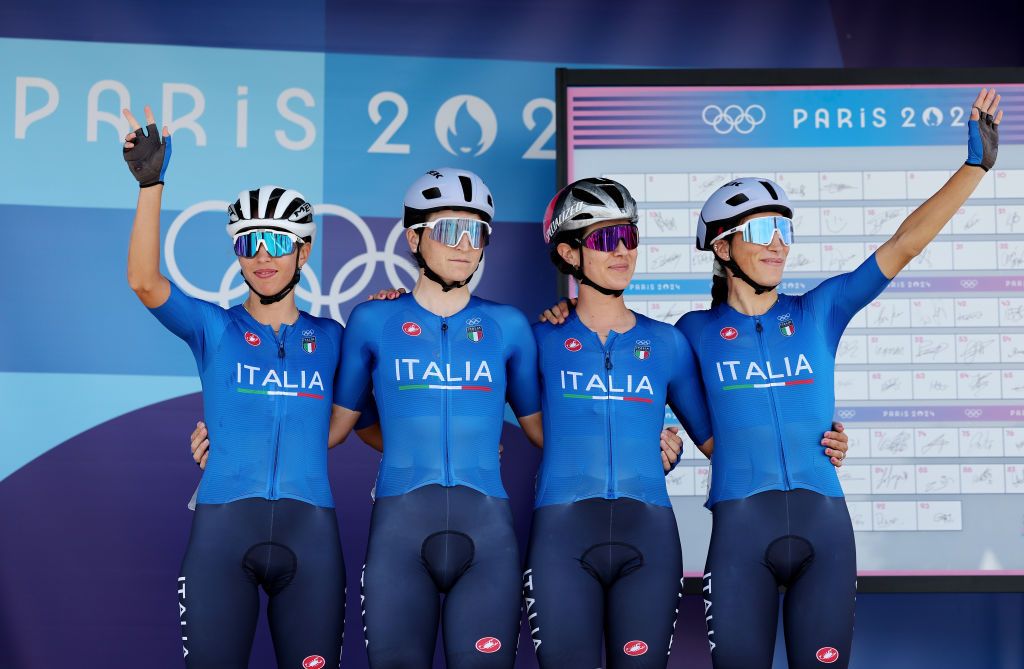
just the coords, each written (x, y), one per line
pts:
(968, 283)
(476, 320)
(846, 413)
(233, 287)
(972, 413)
(733, 117)
(643, 342)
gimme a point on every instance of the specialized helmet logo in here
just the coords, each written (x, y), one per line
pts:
(642, 350)
(729, 333)
(733, 117)
(635, 648)
(488, 644)
(411, 329)
(450, 125)
(572, 344)
(827, 655)
(252, 339)
(314, 662)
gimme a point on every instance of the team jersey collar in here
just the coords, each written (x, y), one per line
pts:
(473, 302)
(727, 309)
(240, 309)
(575, 320)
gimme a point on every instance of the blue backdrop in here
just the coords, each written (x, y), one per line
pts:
(346, 102)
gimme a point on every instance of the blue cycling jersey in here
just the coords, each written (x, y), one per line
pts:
(440, 385)
(769, 383)
(266, 399)
(604, 409)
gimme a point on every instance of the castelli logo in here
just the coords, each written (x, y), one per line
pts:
(827, 655)
(729, 333)
(411, 329)
(634, 648)
(488, 644)
(314, 662)
(573, 344)
(252, 339)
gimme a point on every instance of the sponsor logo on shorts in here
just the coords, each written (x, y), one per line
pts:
(573, 344)
(314, 662)
(252, 339)
(488, 644)
(729, 333)
(827, 655)
(411, 329)
(634, 648)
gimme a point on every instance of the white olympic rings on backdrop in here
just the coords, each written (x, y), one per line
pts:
(733, 117)
(394, 260)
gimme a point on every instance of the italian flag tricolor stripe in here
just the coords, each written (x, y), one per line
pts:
(607, 397)
(776, 384)
(432, 386)
(286, 393)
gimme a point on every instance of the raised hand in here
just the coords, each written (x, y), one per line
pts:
(146, 153)
(983, 130)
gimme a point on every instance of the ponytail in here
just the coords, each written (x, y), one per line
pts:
(719, 290)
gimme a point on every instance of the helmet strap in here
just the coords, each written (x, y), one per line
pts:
(277, 297)
(740, 274)
(584, 280)
(446, 286)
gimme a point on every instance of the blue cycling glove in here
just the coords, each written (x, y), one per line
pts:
(149, 158)
(982, 142)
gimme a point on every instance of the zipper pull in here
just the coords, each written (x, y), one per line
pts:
(280, 349)
(758, 326)
(444, 326)
(607, 360)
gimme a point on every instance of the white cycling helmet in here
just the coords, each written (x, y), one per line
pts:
(736, 199)
(271, 207)
(447, 188)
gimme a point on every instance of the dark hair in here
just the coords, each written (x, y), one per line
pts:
(570, 237)
(719, 290)
(719, 284)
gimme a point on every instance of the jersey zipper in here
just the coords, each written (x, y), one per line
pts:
(771, 395)
(445, 453)
(274, 483)
(608, 413)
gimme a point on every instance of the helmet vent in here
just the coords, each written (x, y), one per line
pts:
(586, 196)
(582, 217)
(489, 200)
(737, 199)
(615, 195)
(467, 187)
(432, 193)
(771, 191)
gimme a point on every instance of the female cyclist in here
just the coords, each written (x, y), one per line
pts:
(265, 515)
(767, 362)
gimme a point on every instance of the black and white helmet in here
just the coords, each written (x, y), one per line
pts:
(586, 202)
(736, 199)
(447, 188)
(271, 207)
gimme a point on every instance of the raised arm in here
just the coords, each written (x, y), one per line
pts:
(147, 157)
(920, 228)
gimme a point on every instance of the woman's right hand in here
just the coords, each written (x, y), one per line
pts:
(558, 313)
(146, 154)
(200, 444)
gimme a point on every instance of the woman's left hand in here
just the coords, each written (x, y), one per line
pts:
(671, 447)
(836, 443)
